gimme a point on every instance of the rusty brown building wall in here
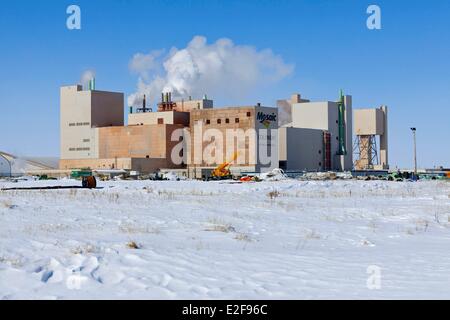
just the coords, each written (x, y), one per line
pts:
(141, 148)
(222, 119)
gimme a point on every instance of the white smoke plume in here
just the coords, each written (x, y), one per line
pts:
(143, 64)
(220, 69)
(85, 77)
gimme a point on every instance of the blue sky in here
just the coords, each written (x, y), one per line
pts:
(405, 65)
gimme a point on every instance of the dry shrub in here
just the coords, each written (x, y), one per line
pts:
(135, 228)
(273, 194)
(243, 237)
(133, 245)
(7, 204)
(85, 249)
(225, 228)
(312, 235)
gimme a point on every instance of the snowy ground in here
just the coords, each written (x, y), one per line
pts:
(269, 240)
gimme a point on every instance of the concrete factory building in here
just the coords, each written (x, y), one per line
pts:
(93, 133)
(246, 136)
(370, 123)
(317, 135)
(192, 135)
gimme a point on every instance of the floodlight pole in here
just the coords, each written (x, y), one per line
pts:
(415, 150)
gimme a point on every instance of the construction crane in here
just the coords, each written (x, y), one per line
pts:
(223, 172)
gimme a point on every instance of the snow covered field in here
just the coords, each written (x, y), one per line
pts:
(269, 240)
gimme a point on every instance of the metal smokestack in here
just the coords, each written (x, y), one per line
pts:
(91, 84)
(144, 104)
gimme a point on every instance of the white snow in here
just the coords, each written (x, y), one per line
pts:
(216, 240)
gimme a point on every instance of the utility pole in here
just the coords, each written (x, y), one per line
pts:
(415, 151)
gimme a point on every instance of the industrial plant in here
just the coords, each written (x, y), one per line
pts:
(182, 135)
(192, 138)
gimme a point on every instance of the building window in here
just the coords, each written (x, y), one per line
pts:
(79, 124)
(320, 151)
(249, 114)
(227, 120)
(337, 138)
(86, 140)
(236, 120)
(320, 164)
(208, 121)
(219, 121)
(79, 149)
(160, 121)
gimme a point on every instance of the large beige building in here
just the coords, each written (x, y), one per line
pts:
(318, 148)
(370, 123)
(93, 133)
(299, 135)
(81, 112)
(179, 135)
(216, 134)
(303, 149)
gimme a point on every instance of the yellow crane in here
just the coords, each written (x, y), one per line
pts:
(223, 170)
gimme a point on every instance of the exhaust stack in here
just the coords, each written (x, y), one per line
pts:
(91, 84)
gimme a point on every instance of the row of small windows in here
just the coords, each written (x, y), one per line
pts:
(79, 149)
(219, 121)
(79, 124)
(236, 120)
